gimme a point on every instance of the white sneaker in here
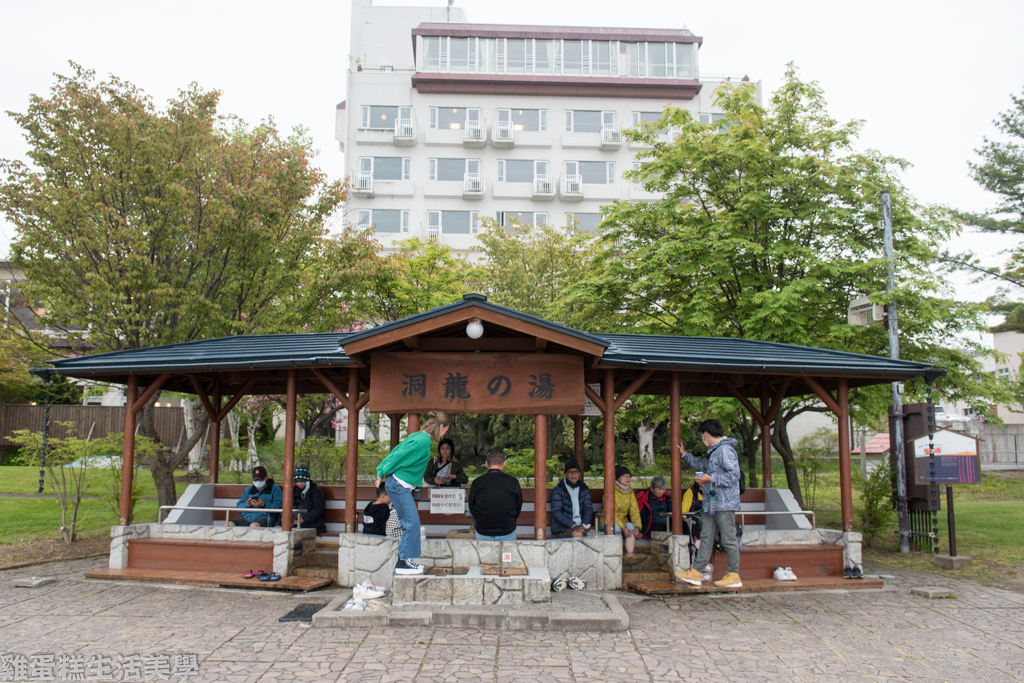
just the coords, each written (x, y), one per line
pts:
(367, 591)
(354, 605)
(780, 574)
(790, 576)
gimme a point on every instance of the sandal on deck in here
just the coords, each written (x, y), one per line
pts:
(251, 574)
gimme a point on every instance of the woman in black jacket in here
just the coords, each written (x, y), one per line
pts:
(445, 470)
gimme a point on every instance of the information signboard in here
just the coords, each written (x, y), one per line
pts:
(956, 458)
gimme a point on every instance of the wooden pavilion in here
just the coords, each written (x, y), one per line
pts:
(521, 364)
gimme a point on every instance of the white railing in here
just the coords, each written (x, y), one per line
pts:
(572, 184)
(503, 131)
(364, 182)
(227, 511)
(405, 128)
(609, 134)
(542, 184)
(474, 131)
(474, 182)
(433, 233)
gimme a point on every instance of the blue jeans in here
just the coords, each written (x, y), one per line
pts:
(506, 537)
(408, 515)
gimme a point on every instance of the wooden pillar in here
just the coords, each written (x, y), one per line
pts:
(608, 394)
(352, 452)
(289, 451)
(766, 440)
(414, 422)
(396, 422)
(128, 454)
(540, 475)
(845, 474)
(215, 433)
(577, 432)
(675, 438)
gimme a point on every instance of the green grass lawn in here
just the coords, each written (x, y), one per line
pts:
(25, 479)
(24, 519)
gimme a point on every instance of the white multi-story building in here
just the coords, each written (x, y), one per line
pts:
(446, 122)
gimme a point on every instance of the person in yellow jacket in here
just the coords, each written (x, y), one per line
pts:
(627, 512)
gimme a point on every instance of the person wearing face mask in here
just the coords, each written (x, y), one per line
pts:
(720, 479)
(310, 503)
(264, 494)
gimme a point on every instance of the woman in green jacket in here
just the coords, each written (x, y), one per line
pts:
(402, 470)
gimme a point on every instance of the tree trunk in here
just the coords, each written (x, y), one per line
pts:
(168, 460)
(233, 421)
(645, 437)
(780, 439)
(193, 414)
(251, 429)
(746, 432)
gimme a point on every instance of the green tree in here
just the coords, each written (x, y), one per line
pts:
(146, 227)
(1001, 172)
(767, 229)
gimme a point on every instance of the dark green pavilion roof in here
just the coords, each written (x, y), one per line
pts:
(628, 351)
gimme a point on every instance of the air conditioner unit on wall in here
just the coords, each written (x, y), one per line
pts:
(863, 313)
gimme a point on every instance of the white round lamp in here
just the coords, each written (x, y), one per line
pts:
(475, 329)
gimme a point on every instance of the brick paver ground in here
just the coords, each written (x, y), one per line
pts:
(882, 635)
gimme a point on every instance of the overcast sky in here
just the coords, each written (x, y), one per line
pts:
(928, 78)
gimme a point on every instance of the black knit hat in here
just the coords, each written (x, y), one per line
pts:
(621, 470)
(571, 464)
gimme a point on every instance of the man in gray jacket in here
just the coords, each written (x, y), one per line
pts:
(720, 477)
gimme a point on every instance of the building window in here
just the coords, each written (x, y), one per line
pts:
(386, 168)
(453, 222)
(577, 121)
(533, 120)
(384, 220)
(452, 169)
(454, 118)
(572, 57)
(544, 57)
(586, 222)
(382, 117)
(1002, 372)
(684, 60)
(592, 172)
(507, 219)
(516, 170)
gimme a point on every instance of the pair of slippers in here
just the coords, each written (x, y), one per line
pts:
(262, 575)
(572, 583)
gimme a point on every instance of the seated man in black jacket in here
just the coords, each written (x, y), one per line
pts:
(495, 501)
(309, 503)
(572, 511)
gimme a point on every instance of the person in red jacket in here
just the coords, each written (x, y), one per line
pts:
(654, 503)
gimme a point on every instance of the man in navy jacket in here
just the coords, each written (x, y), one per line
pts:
(572, 511)
(264, 494)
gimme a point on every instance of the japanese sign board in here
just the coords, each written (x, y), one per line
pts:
(447, 501)
(956, 458)
(489, 383)
(591, 409)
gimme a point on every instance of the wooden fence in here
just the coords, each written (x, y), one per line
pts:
(169, 422)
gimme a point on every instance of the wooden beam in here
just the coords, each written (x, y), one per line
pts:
(411, 343)
(592, 395)
(540, 344)
(148, 393)
(540, 474)
(291, 398)
(631, 389)
(675, 438)
(332, 387)
(754, 412)
(780, 393)
(352, 455)
(128, 453)
(823, 394)
(362, 400)
(493, 344)
(845, 473)
(577, 441)
(215, 434)
(239, 395)
(203, 398)
(608, 389)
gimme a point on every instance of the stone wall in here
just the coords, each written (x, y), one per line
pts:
(595, 559)
(288, 545)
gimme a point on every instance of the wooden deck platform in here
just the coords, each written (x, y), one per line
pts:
(210, 579)
(810, 583)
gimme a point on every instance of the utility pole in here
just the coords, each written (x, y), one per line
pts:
(897, 398)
